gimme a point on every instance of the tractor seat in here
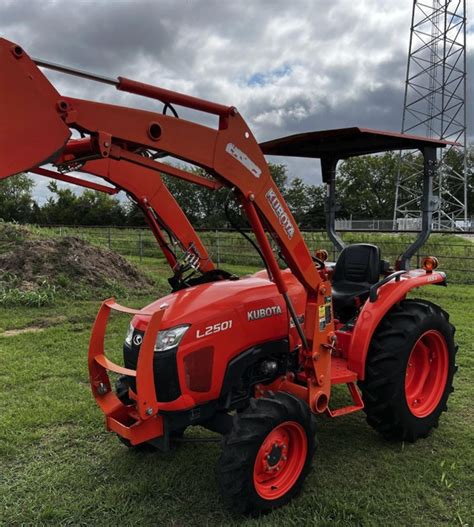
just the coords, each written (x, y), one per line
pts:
(357, 269)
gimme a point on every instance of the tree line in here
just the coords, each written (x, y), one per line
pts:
(365, 190)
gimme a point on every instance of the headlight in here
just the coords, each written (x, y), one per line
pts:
(128, 338)
(170, 338)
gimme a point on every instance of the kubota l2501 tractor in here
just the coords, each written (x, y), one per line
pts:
(252, 358)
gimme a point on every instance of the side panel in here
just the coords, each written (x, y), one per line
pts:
(373, 312)
(209, 346)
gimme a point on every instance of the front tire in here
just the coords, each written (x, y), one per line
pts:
(267, 454)
(409, 370)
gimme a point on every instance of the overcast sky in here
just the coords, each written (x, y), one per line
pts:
(288, 66)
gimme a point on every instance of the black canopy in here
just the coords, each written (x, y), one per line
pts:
(346, 142)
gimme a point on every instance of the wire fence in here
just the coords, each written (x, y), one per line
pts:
(455, 253)
(405, 224)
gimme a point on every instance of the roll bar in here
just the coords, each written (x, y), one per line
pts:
(331, 146)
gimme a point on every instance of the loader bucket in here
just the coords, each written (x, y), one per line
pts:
(31, 129)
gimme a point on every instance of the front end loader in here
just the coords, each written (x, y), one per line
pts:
(253, 359)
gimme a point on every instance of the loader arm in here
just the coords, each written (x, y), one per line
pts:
(229, 154)
(151, 195)
(161, 210)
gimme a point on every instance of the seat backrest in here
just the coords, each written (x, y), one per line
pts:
(358, 263)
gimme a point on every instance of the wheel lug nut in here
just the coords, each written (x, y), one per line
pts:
(102, 389)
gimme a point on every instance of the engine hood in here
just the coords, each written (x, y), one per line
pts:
(200, 303)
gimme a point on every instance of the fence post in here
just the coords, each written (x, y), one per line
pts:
(218, 249)
(140, 245)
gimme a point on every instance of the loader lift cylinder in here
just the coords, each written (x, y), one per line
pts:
(140, 88)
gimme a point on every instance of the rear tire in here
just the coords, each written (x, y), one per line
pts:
(267, 454)
(409, 370)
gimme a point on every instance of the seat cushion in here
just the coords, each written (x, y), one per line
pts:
(358, 263)
(357, 269)
(344, 294)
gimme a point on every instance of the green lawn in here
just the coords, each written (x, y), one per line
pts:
(60, 466)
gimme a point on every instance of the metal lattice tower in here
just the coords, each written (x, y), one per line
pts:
(435, 105)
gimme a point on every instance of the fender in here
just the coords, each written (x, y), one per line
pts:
(373, 312)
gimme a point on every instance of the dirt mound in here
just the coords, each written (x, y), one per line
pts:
(11, 235)
(69, 264)
(13, 232)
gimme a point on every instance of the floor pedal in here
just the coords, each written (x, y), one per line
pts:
(340, 373)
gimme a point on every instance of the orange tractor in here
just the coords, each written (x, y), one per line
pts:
(255, 358)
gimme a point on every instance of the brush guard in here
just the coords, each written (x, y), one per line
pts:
(139, 422)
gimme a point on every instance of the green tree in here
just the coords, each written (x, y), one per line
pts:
(16, 200)
(454, 165)
(279, 173)
(89, 208)
(134, 215)
(315, 217)
(299, 199)
(205, 208)
(61, 207)
(97, 208)
(365, 186)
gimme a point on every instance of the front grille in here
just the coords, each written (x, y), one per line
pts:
(198, 369)
(164, 368)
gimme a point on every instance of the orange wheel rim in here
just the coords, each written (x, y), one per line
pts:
(426, 373)
(280, 460)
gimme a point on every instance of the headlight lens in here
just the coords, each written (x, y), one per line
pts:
(170, 338)
(128, 337)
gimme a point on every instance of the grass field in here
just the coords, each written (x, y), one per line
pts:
(60, 466)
